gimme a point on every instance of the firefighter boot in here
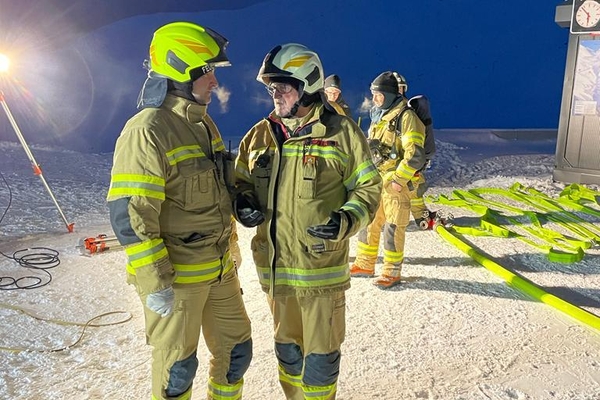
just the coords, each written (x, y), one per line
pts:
(358, 272)
(386, 281)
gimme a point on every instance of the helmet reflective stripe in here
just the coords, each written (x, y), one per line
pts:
(181, 47)
(402, 84)
(296, 61)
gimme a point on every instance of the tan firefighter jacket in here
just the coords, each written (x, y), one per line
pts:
(168, 200)
(324, 167)
(403, 137)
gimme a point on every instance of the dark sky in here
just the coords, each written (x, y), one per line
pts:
(483, 64)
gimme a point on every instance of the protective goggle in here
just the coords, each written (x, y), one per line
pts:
(279, 87)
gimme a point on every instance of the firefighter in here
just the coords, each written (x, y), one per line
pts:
(333, 91)
(170, 207)
(306, 180)
(396, 136)
(424, 218)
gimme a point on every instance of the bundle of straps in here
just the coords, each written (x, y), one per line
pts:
(538, 208)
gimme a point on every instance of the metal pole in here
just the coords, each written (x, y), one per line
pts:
(37, 170)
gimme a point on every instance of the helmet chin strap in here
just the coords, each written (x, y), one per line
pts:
(296, 105)
(293, 111)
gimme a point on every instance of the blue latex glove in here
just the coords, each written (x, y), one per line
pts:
(161, 302)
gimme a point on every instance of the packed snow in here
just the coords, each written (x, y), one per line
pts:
(452, 330)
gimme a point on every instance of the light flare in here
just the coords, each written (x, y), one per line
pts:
(4, 63)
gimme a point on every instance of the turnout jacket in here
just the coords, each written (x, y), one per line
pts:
(299, 179)
(400, 128)
(168, 200)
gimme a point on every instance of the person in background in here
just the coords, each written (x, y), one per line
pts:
(333, 91)
(171, 209)
(424, 218)
(396, 136)
(306, 179)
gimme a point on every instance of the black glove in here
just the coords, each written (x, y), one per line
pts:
(331, 230)
(247, 212)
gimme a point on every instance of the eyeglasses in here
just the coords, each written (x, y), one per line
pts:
(281, 88)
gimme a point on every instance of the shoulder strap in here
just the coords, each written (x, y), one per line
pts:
(396, 122)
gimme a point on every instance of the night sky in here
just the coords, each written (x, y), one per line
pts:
(483, 64)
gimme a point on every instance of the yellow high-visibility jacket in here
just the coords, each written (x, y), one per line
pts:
(168, 199)
(326, 166)
(408, 137)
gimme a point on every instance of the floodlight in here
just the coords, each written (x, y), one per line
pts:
(4, 63)
(37, 170)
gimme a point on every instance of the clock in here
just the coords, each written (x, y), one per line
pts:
(586, 16)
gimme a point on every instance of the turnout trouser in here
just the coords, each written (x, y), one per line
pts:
(218, 310)
(417, 204)
(309, 332)
(393, 216)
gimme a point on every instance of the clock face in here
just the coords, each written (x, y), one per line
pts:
(588, 14)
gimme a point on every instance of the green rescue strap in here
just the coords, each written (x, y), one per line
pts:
(578, 192)
(569, 249)
(522, 284)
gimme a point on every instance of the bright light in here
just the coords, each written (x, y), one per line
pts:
(3, 63)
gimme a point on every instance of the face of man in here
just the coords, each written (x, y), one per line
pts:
(332, 93)
(284, 97)
(202, 87)
(378, 98)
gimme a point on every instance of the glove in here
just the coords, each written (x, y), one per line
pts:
(161, 302)
(247, 212)
(331, 230)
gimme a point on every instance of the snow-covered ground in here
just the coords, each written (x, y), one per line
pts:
(453, 330)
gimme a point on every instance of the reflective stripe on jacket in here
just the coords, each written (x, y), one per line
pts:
(168, 200)
(325, 168)
(408, 137)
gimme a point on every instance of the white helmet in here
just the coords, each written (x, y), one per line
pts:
(296, 61)
(402, 84)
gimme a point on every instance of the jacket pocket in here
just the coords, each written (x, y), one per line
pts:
(199, 179)
(261, 176)
(308, 185)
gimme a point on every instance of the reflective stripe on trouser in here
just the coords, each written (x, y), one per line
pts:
(218, 310)
(417, 204)
(309, 332)
(393, 216)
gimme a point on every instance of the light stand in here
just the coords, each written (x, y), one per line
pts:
(36, 167)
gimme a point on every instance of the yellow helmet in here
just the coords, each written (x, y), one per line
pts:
(183, 51)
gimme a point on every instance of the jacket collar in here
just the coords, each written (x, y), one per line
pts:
(313, 118)
(395, 109)
(188, 109)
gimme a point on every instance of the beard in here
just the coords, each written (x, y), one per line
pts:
(283, 110)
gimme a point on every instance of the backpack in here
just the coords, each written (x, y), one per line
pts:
(420, 105)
